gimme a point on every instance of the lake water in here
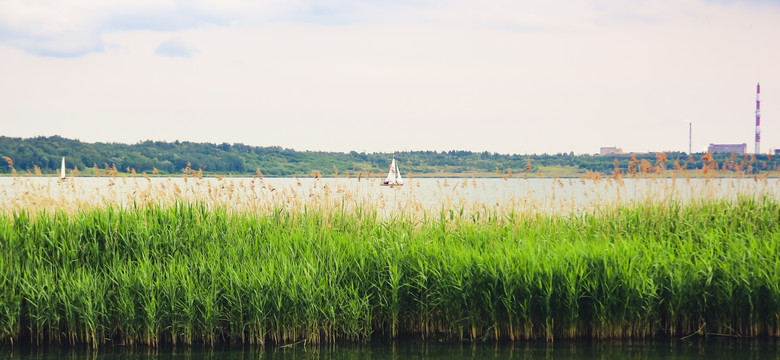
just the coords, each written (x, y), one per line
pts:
(711, 349)
(416, 196)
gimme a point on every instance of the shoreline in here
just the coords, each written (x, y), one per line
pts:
(719, 174)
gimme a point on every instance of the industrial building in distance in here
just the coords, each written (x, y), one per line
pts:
(610, 150)
(738, 149)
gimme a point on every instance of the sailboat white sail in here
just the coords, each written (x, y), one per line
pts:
(62, 170)
(393, 176)
(398, 179)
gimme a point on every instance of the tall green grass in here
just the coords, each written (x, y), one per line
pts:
(187, 273)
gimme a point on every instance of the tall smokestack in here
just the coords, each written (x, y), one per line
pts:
(690, 131)
(758, 119)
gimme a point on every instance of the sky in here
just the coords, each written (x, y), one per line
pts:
(505, 76)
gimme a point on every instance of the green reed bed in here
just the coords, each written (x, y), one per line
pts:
(186, 274)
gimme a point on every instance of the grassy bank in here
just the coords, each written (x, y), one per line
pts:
(186, 273)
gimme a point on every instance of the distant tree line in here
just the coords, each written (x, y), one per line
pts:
(44, 154)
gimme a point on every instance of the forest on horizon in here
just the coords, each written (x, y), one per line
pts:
(43, 155)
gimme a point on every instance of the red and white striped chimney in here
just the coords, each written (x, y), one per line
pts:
(758, 119)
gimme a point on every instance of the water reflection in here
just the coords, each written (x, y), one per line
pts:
(711, 349)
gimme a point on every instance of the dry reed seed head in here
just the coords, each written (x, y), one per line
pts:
(660, 158)
(645, 166)
(194, 191)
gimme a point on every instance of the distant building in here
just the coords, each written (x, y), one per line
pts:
(610, 150)
(777, 152)
(738, 149)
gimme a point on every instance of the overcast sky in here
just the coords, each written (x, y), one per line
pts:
(504, 76)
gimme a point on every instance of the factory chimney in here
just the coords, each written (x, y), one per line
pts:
(758, 119)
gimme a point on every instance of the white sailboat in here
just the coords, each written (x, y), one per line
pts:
(394, 176)
(62, 170)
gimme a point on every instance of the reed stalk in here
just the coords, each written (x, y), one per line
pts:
(192, 273)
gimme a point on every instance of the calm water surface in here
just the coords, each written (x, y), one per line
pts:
(418, 195)
(712, 349)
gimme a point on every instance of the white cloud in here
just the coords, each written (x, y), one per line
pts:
(175, 47)
(77, 27)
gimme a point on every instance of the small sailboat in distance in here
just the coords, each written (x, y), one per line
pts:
(394, 176)
(62, 171)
